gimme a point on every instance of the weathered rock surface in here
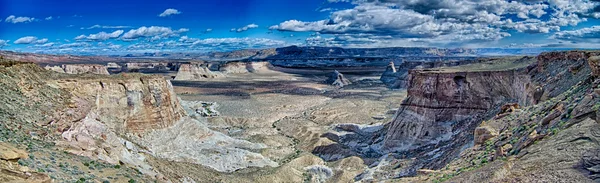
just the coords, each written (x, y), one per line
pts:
(10, 171)
(9, 153)
(196, 71)
(337, 79)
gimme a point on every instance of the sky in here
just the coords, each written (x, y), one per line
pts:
(141, 26)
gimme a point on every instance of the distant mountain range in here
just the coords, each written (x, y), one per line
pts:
(284, 53)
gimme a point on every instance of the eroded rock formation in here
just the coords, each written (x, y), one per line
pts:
(119, 119)
(337, 79)
(441, 104)
(196, 71)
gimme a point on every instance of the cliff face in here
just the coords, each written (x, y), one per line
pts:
(131, 104)
(442, 104)
(196, 71)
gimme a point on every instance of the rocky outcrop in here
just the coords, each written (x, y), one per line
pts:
(10, 171)
(244, 67)
(442, 104)
(196, 71)
(337, 79)
(9, 153)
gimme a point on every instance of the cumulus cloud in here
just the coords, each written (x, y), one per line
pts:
(30, 40)
(245, 28)
(101, 36)
(14, 19)
(153, 32)
(442, 22)
(48, 18)
(591, 34)
(169, 12)
(106, 27)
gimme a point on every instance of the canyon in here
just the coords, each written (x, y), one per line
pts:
(302, 114)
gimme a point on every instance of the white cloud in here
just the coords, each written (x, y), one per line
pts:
(442, 22)
(45, 45)
(41, 41)
(152, 32)
(107, 27)
(590, 34)
(169, 12)
(245, 28)
(30, 40)
(13, 19)
(101, 36)
(48, 18)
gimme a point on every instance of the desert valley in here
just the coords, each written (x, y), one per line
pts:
(425, 117)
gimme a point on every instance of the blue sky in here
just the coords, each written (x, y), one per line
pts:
(115, 27)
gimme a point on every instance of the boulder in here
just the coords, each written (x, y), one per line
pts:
(484, 133)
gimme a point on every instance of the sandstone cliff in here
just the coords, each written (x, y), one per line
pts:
(196, 71)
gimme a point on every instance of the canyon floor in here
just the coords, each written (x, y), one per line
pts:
(288, 113)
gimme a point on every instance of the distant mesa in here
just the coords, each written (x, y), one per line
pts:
(80, 69)
(245, 67)
(196, 71)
